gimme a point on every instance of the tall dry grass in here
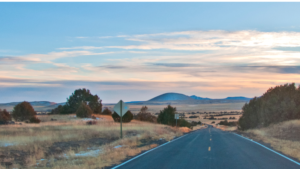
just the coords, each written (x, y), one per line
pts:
(284, 137)
(35, 139)
(28, 135)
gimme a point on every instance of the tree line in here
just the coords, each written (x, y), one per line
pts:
(84, 104)
(277, 104)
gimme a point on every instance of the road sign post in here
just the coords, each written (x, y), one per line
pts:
(176, 117)
(121, 117)
(121, 108)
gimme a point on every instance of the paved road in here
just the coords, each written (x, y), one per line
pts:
(210, 148)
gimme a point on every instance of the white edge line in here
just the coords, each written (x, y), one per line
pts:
(147, 152)
(268, 149)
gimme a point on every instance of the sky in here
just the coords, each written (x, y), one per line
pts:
(136, 51)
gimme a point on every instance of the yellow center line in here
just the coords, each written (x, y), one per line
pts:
(208, 148)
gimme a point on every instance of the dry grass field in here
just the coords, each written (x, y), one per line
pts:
(207, 121)
(65, 141)
(69, 142)
(181, 108)
(194, 108)
(284, 137)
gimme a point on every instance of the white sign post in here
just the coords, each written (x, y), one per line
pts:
(121, 108)
(176, 117)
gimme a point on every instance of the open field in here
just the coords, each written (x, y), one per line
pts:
(185, 108)
(207, 121)
(69, 143)
(135, 108)
(181, 108)
(284, 137)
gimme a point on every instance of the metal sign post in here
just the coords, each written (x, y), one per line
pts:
(176, 117)
(121, 108)
(121, 132)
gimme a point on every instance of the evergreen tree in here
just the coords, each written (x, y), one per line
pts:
(167, 116)
(84, 110)
(278, 104)
(79, 96)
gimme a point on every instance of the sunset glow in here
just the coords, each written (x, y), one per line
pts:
(41, 61)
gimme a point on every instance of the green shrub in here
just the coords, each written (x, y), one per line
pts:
(226, 123)
(194, 123)
(143, 115)
(106, 111)
(184, 123)
(84, 111)
(23, 111)
(127, 117)
(278, 104)
(34, 120)
(166, 116)
(4, 116)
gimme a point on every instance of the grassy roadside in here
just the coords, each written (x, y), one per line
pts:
(226, 128)
(70, 143)
(283, 137)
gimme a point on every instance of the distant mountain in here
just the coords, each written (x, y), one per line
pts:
(171, 97)
(34, 103)
(238, 98)
(37, 105)
(166, 98)
(134, 101)
(199, 98)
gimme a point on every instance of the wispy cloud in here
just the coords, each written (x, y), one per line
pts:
(81, 37)
(13, 60)
(214, 40)
(81, 47)
(188, 61)
(56, 55)
(174, 64)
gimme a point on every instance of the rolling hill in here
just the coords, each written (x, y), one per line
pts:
(163, 99)
(199, 98)
(171, 97)
(37, 105)
(237, 98)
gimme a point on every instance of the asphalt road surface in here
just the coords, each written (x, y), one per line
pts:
(210, 148)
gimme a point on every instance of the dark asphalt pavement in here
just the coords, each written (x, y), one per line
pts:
(210, 148)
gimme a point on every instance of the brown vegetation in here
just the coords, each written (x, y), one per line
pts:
(23, 111)
(68, 136)
(144, 115)
(282, 137)
(4, 117)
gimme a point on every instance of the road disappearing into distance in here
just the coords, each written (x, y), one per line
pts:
(210, 148)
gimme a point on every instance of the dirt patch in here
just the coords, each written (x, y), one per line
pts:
(60, 147)
(185, 129)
